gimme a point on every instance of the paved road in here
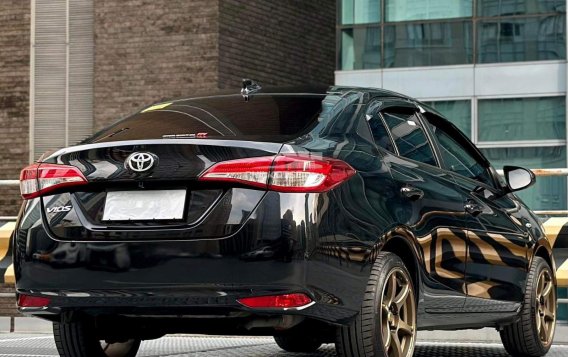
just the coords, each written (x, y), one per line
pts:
(20, 345)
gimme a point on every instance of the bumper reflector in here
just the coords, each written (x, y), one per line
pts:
(32, 301)
(285, 301)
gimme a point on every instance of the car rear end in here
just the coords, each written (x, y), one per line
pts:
(191, 209)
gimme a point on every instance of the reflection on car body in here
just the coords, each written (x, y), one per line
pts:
(307, 213)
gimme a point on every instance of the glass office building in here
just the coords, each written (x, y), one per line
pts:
(496, 68)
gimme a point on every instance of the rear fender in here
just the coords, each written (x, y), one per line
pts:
(401, 241)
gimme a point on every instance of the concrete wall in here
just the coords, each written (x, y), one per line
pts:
(14, 96)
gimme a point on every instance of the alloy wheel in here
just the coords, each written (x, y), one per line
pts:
(545, 307)
(118, 349)
(398, 315)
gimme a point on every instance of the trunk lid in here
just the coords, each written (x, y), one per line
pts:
(182, 138)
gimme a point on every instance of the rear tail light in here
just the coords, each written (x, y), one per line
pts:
(283, 173)
(32, 301)
(39, 179)
(285, 301)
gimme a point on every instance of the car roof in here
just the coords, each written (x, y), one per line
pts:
(301, 90)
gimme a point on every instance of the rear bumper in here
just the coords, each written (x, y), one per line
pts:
(192, 296)
(271, 254)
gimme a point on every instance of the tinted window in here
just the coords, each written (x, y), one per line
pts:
(409, 137)
(360, 11)
(428, 44)
(361, 48)
(521, 39)
(409, 10)
(513, 119)
(229, 115)
(518, 7)
(380, 133)
(457, 158)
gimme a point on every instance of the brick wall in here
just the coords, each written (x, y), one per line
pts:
(148, 50)
(14, 97)
(283, 42)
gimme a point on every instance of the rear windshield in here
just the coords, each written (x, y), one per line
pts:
(220, 116)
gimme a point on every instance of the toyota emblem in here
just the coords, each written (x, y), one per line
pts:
(140, 161)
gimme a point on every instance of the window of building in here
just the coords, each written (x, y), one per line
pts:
(409, 10)
(549, 193)
(360, 11)
(409, 136)
(428, 44)
(456, 111)
(486, 8)
(441, 32)
(361, 48)
(522, 119)
(521, 39)
(527, 132)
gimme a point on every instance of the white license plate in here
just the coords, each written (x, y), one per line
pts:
(144, 205)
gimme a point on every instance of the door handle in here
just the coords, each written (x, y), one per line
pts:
(473, 208)
(412, 192)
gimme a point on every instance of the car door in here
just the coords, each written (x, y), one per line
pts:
(498, 240)
(429, 204)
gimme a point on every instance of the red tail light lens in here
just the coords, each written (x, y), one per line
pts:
(39, 179)
(253, 172)
(276, 301)
(283, 173)
(32, 301)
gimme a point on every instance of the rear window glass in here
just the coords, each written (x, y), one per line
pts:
(229, 115)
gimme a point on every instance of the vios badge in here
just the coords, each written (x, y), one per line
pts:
(140, 161)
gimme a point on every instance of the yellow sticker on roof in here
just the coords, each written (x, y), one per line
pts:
(156, 107)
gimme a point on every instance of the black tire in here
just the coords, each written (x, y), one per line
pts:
(522, 338)
(298, 343)
(78, 339)
(364, 336)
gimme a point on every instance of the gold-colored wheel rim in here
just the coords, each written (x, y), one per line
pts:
(117, 349)
(398, 315)
(545, 307)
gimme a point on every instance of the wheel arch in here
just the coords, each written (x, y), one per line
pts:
(401, 242)
(544, 251)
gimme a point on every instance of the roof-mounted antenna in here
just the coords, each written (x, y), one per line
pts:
(249, 87)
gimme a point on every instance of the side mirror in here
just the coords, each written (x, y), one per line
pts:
(518, 178)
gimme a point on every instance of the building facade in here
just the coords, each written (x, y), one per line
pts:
(496, 68)
(70, 67)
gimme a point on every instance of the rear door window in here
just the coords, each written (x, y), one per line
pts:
(408, 134)
(380, 132)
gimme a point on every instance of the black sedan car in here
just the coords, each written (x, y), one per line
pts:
(351, 216)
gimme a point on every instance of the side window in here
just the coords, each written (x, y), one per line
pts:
(457, 158)
(380, 133)
(408, 135)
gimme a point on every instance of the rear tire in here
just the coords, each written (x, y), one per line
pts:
(298, 343)
(79, 339)
(532, 335)
(386, 324)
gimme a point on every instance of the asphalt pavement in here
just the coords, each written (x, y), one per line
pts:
(41, 345)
